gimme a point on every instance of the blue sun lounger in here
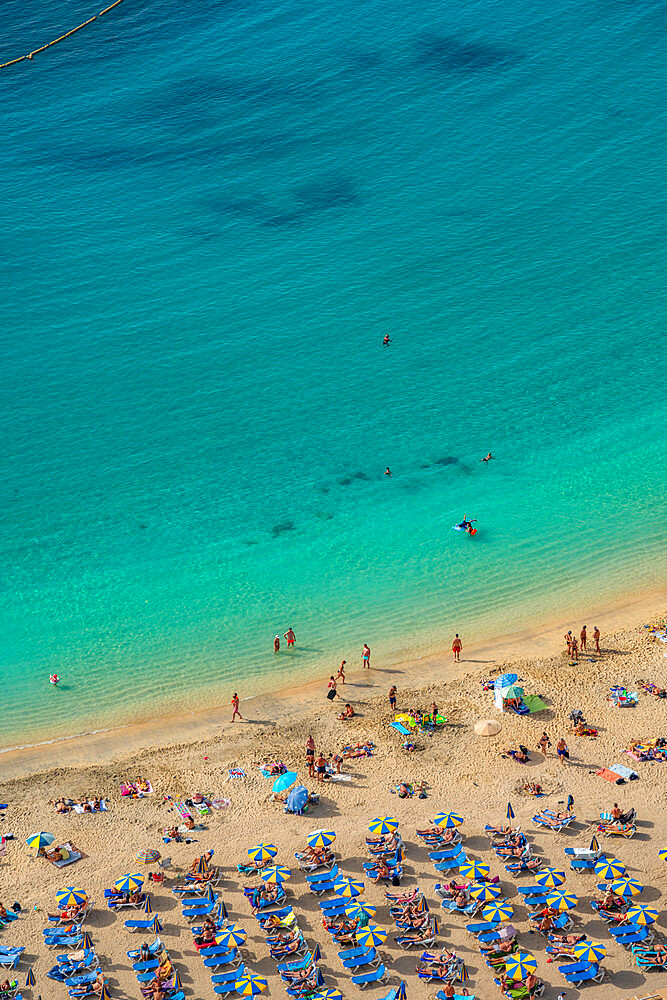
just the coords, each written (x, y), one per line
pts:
(223, 989)
(629, 934)
(140, 925)
(457, 996)
(9, 957)
(369, 957)
(375, 976)
(400, 728)
(191, 913)
(216, 958)
(582, 972)
(447, 866)
(446, 854)
(323, 876)
(153, 948)
(391, 995)
(228, 977)
(449, 905)
(484, 927)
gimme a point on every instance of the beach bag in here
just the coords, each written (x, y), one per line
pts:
(331, 694)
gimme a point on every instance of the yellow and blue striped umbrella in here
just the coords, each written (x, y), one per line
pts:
(510, 811)
(178, 982)
(642, 915)
(148, 906)
(474, 870)
(104, 995)
(610, 868)
(485, 891)
(463, 975)
(520, 965)
(589, 951)
(276, 873)
(39, 840)
(262, 852)
(321, 838)
(497, 911)
(30, 978)
(626, 887)
(401, 992)
(358, 909)
(71, 896)
(550, 877)
(371, 936)
(328, 995)
(348, 887)
(448, 821)
(559, 899)
(250, 985)
(231, 937)
(130, 883)
(662, 854)
(86, 941)
(382, 825)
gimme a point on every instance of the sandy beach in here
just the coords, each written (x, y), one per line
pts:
(462, 772)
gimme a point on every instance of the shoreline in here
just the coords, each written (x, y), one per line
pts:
(273, 707)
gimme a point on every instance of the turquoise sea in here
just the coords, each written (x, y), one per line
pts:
(212, 213)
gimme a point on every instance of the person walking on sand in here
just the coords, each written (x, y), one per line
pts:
(596, 638)
(543, 743)
(575, 650)
(289, 635)
(340, 676)
(366, 656)
(332, 687)
(583, 638)
(562, 751)
(276, 644)
(235, 707)
(457, 646)
(392, 697)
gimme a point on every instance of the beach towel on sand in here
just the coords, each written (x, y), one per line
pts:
(611, 776)
(624, 772)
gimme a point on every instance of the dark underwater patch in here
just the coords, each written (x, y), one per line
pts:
(446, 460)
(281, 528)
(449, 54)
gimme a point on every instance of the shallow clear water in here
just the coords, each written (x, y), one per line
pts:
(212, 214)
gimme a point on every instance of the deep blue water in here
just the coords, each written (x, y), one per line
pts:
(211, 215)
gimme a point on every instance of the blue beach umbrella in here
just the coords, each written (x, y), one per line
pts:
(283, 781)
(147, 904)
(499, 910)
(474, 870)
(662, 854)
(610, 868)
(71, 896)
(550, 878)
(156, 925)
(463, 976)
(448, 821)
(642, 915)
(485, 891)
(348, 887)
(520, 964)
(328, 995)
(559, 899)
(86, 941)
(382, 825)
(321, 838)
(276, 873)
(401, 992)
(178, 982)
(130, 883)
(30, 978)
(510, 811)
(262, 852)
(231, 937)
(371, 936)
(594, 845)
(626, 887)
(250, 986)
(38, 840)
(589, 951)
(358, 909)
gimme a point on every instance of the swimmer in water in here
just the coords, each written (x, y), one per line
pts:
(54, 678)
(466, 524)
(386, 341)
(276, 644)
(387, 471)
(487, 458)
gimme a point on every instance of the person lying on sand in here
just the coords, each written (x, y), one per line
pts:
(533, 788)
(348, 713)
(521, 754)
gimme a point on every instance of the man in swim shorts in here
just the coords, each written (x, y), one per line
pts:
(583, 638)
(289, 635)
(366, 656)
(596, 638)
(457, 646)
